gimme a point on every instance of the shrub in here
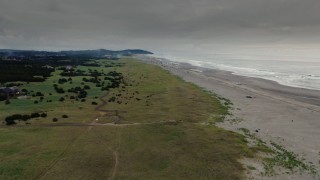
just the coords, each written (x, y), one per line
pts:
(43, 115)
(82, 94)
(94, 103)
(55, 119)
(24, 91)
(14, 117)
(26, 117)
(3, 97)
(7, 102)
(105, 89)
(36, 102)
(39, 94)
(61, 99)
(65, 116)
(112, 99)
(35, 115)
(10, 122)
(58, 90)
(62, 80)
(13, 84)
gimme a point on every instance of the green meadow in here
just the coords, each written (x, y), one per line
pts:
(153, 126)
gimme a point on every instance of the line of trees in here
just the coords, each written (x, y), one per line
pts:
(27, 71)
(10, 120)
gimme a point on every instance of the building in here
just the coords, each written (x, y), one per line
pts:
(48, 67)
(9, 91)
(113, 56)
(68, 68)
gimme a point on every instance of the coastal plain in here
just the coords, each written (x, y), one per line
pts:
(152, 126)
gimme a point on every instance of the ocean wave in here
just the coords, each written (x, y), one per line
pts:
(285, 73)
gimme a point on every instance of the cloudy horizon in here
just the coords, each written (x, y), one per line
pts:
(160, 26)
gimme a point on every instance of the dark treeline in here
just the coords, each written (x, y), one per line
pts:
(29, 71)
(48, 55)
(34, 70)
(36, 66)
(10, 120)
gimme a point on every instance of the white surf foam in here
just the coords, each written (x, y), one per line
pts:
(290, 73)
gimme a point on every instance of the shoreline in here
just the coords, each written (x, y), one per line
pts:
(302, 96)
(288, 116)
(213, 67)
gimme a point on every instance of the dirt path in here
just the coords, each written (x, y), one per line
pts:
(87, 124)
(89, 127)
(114, 171)
(63, 153)
(119, 118)
(55, 161)
(115, 113)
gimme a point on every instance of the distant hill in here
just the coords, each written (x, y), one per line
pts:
(103, 52)
(88, 53)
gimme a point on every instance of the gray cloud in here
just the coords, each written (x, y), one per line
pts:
(151, 24)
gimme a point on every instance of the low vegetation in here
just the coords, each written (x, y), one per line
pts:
(154, 125)
(277, 158)
(288, 160)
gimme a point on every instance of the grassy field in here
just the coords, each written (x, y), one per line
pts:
(164, 130)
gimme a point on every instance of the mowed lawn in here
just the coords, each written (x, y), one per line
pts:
(165, 130)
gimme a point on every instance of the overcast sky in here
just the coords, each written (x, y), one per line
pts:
(159, 25)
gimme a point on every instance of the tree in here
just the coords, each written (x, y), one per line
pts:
(94, 103)
(39, 94)
(86, 87)
(10, 122)
(7, 102)
(35, 115)
(43, 115)
(26, 117)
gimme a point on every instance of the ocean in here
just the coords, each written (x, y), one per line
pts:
(286, 70)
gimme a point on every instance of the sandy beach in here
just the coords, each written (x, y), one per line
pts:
(285, 115)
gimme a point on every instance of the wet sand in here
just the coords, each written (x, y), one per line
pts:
(286, 115)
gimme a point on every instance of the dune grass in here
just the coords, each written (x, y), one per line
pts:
(174, 140)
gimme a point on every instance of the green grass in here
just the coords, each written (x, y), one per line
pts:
(25, 152)
(189, 103)
(55, 108)
(188, 149)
